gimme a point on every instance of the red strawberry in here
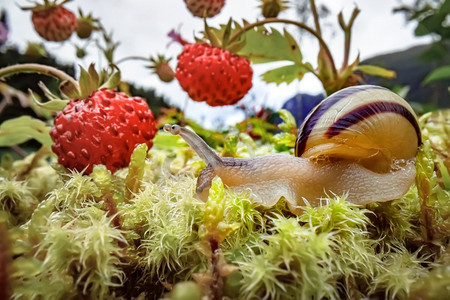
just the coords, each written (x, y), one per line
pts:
(101, 129)
(213, 74)
(205, 8)
(54, 22)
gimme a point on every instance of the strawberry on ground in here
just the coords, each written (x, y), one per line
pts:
(205, 8)
(213, 74)
(52, 21)
(101, 129)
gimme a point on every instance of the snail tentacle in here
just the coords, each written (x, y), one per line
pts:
(200, 147)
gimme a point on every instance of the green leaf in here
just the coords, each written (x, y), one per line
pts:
(376, 71)
(22, 129)
(430, 24)
(440, 73)
(286, 74)
(264, 46)
(437, 51)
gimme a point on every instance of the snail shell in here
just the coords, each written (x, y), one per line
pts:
(367, 123)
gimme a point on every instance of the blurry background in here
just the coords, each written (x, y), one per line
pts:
(379, 36)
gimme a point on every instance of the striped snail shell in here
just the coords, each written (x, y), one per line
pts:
(367, 123)
(360, 142)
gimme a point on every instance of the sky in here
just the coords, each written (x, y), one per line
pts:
(142, 26)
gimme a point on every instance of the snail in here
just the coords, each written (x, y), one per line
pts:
(360, 142)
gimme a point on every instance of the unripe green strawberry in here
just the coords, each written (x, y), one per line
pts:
(213, 74)
(205, 8)
(86, 25)
(101, 129)
(271, 8)
(54, 23)
(160, 66)
(84, 29)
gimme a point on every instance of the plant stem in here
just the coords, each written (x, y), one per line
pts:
(347, 28)
(303, 26)
(312, 3)
(37, 68)
(132, 58)
(19, 151)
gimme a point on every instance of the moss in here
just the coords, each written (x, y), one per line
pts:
(140, 231)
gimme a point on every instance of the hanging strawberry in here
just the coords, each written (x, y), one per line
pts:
(209, 72)
(52, 21)
(205, 8)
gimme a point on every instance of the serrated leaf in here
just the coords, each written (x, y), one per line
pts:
(264, 46)
(440, 73)
(376, 71)
(53, 105)
(21, 129)
(286, 74)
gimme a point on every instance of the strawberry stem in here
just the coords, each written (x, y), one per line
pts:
(37, 68)
(124, 59)
(303, 26)
(312, 3)
(347, 28)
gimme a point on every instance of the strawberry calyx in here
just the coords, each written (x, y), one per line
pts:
(221, 39)
(48, 4)
(90, 81)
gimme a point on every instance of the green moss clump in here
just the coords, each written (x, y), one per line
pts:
(141, 233)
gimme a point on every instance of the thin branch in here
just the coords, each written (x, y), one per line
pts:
(132, 58)
(347, 28)
(37, 68)
(316, 16)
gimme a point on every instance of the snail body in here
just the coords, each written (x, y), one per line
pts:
(360, 141)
